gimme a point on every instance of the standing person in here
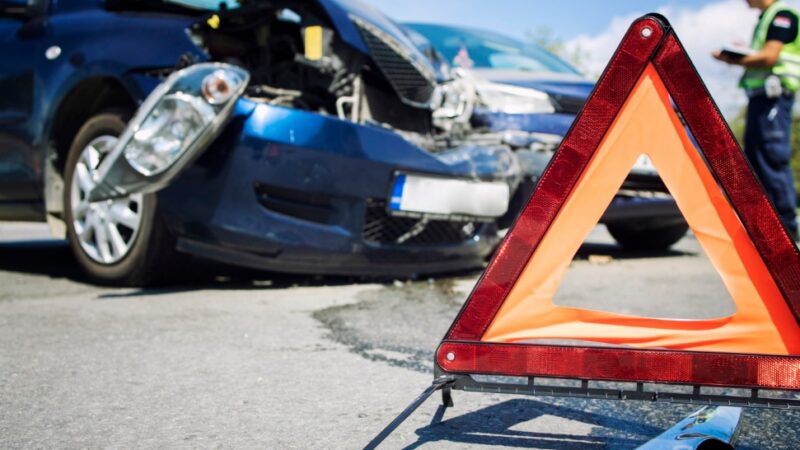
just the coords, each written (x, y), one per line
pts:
(771, 79)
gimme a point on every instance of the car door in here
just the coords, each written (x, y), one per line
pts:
(21, 168)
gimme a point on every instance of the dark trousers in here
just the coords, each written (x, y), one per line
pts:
(767, 146)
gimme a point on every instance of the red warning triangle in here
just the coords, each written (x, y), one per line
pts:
(629, 113)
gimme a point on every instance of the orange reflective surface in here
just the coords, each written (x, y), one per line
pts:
(647, 124)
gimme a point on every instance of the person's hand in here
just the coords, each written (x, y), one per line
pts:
(718, 55)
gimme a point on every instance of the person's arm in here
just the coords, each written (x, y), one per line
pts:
(782, 30)
(765, 58)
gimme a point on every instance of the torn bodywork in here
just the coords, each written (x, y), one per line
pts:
(303, 137)
(315, 57)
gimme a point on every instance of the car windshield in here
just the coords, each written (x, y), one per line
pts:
(207, 4)
(470, 48)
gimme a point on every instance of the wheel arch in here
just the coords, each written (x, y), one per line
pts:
(87, 98)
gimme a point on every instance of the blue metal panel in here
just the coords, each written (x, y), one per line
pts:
(21, 167)
(306, 130)
(93, 43)
(566, 88)
(539, 123)
(340, 12)
(100, 44)
(213, 203)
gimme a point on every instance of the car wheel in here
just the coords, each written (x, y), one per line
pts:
(120, 241)
(647, 235)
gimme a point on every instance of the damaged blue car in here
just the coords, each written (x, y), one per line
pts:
(533, 96)
(303, 137)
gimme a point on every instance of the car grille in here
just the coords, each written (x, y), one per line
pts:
(411, 80)
(568, 105)
(381, 228)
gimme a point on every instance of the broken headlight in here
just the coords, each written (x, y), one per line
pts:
(171, 128)
(513, 99)
(179, 117)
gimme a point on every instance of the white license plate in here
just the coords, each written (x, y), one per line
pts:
(447, 196)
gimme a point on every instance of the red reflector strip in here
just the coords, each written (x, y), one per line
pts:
(650, 40)
(733, 172)
(559, 179)
(613, 364)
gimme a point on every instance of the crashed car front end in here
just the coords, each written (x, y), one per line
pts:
(313, 142)
(295, 191)
(530, 98)
(535, 130)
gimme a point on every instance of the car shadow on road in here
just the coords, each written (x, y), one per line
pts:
(53, 258)
(503, 424)
(217, 277)
(615, 251)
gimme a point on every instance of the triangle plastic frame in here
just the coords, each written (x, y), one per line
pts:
(650, 41)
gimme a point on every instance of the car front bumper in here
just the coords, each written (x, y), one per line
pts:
(292, 191)
(637, 203)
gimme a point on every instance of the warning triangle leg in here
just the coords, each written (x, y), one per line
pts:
(441, 383)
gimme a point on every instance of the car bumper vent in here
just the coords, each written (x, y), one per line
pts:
(309, 206)
(381, 228)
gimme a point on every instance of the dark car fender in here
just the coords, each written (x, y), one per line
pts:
(108, 56)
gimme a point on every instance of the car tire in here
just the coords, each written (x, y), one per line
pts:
(647, 236)
(120, 242)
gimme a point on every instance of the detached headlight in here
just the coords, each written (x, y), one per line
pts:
(513, 100)
(171, 128)
(179, 116)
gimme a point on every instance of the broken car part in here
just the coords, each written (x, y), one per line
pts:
(174, 124)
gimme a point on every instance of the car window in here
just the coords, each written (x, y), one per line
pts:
(470, 48)
(517, 62)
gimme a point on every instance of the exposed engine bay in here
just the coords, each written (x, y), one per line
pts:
(296, 59)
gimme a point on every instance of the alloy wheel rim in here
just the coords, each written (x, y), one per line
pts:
(106, 230)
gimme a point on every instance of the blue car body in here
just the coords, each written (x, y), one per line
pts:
(34, 87)
(567, 90)
(279, 189)
(572, 93)
(320, 172)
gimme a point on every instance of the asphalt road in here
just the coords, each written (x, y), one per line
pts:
(249, 360)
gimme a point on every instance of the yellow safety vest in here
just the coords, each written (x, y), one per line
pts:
(788, 66)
